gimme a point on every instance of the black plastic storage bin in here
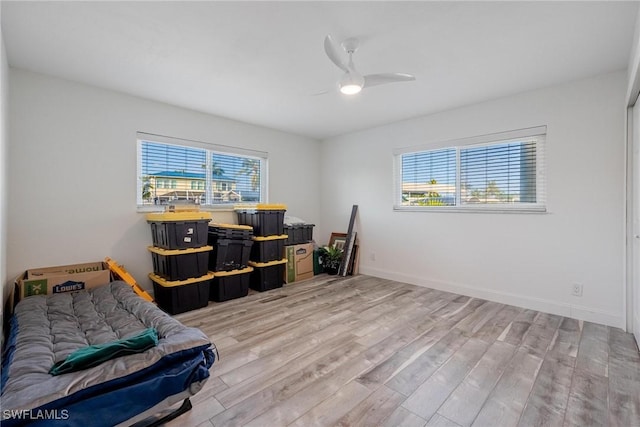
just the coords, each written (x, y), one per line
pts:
(266, 220)
(267, 249)
(180, 264)
(230, 254)
(298, 233)
(229, 231)
(176, 297)
(228, 285)
(179, 230)
(267, 275)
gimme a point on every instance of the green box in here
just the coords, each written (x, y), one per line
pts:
(299, 262)
(317, 265)
(290, 271)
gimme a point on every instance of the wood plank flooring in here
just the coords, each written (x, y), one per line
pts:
(363, 351)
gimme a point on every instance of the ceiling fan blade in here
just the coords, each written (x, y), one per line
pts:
(323, 92)
(334, 54)
(381, 79)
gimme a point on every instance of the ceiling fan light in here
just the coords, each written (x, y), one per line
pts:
(350, 89)
(351, 83)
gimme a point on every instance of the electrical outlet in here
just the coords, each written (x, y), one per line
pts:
(372, 256)
(576, 290)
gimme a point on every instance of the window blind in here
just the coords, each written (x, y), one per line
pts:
(184, 170)
(502, 171)
(429, 178)
(499, 173)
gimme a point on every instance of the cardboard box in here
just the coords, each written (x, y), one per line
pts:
(299, 262)
(64, 278)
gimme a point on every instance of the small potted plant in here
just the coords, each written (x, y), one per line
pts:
(331, 259)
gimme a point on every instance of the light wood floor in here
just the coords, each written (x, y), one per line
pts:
(363, 351)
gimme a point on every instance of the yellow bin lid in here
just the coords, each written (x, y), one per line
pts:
(232, 272)
(267, 264)
(178, 216)
(271, 207)
(265, 238)
(169, 284)
(160, 251)
(263, 207)
(232, 226)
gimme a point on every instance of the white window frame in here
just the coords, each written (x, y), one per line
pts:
(538, 132)
(210, 149)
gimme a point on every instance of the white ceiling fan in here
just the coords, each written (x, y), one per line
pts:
(352, 81)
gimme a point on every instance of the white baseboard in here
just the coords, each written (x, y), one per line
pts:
(539, 304)
(636, 328)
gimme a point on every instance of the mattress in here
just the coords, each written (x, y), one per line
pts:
(46, 329)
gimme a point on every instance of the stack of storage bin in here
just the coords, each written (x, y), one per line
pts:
(296, 247)
(267, 254)
(229, 260)
(298, 233)
(180, 254)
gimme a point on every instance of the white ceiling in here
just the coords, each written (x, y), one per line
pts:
(260, 62)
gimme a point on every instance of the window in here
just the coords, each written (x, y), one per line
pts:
(171, 169)
(197, 185)
(491, 172)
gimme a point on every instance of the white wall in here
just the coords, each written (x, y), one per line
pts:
(633, 190)
(633, 212)
(72, 182)
(633, 79)
(4, 125)
(529, 260)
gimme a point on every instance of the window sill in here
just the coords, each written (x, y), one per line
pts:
(148, 209)
(473, 209)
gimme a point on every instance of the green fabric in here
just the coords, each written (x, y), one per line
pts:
(93, 355)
